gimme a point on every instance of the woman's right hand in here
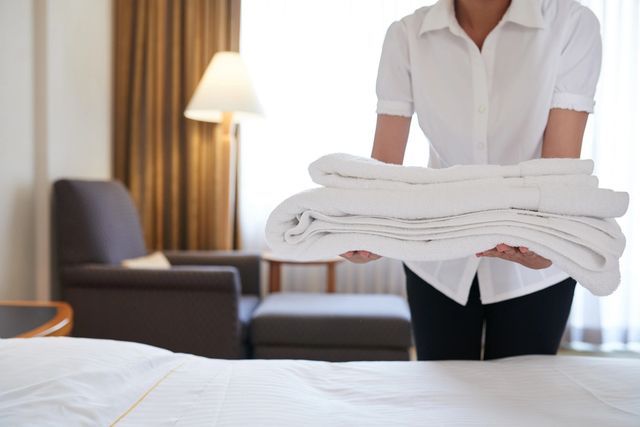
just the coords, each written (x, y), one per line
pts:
(390, 140)
(360, 257)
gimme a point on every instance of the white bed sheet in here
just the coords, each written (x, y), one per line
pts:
(71, 381)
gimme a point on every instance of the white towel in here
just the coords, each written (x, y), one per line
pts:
(348, 171)
(445, 216)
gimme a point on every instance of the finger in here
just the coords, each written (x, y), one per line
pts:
(492, 255)
(501, 247)
(505, 249)
(529, 259)
(356, 259)
(508, 256)
(362, 260)
(523, 249)
(490, 252)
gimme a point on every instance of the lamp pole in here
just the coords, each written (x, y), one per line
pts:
(228, 149)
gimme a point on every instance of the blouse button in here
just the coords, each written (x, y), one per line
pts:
(482, 109)
(480, 145)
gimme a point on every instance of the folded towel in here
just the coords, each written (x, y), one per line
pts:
(456, 212)
(440, 200)
(348, 171)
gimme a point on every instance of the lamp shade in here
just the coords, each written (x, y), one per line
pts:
(224, 87)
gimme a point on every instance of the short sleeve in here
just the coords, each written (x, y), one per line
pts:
(580, 62)
(393, 84)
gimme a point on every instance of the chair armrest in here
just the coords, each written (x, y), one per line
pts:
(247, 263)
(190, 310)
(221, 279)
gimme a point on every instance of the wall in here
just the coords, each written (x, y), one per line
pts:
(55, 120)
(79, 88)
(16, 149)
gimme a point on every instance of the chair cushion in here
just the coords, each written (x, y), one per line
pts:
(246, 308)
(96, 222)
(330, 354)
(332, 320)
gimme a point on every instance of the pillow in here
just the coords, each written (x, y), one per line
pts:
(156, 260)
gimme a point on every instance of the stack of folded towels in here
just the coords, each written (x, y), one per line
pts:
(552, 206)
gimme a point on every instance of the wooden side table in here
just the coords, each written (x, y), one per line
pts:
(275, 268)
(26, 319)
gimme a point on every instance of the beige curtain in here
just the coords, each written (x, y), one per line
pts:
(180, 174)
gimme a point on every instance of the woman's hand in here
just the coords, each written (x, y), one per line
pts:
(518, 254)
(360, 257)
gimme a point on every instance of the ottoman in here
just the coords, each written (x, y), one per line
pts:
(331, 327)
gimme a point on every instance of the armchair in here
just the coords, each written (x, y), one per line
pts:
(202, 304)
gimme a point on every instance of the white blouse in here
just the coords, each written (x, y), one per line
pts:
(489, 106)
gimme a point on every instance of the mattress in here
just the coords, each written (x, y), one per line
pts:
(77, 382)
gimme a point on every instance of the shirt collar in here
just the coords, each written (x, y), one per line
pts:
(525, 12)
(442, 15)
(438, 16)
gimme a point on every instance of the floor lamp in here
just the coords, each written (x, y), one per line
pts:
(225, 95)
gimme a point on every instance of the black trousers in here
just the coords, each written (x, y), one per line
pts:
(444, 329)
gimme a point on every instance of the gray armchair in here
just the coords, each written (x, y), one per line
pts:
(202, 305)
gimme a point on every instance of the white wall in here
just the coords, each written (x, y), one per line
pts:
(79, 88)
(78, 99)
(55, 121)
(16, 149)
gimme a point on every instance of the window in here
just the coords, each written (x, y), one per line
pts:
(314, 64)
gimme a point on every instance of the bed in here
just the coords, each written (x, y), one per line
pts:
(74, 381)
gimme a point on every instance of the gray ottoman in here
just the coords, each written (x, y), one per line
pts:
(331, 327)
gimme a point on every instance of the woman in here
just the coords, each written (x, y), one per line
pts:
(491, 82)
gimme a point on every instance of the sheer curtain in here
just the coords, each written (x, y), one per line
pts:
(612, 139)
(314, 64)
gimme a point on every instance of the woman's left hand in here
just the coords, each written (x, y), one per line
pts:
(519, 254)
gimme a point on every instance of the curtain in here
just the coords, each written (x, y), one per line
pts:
(611, 139)
(174, 167)
(317, 89)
